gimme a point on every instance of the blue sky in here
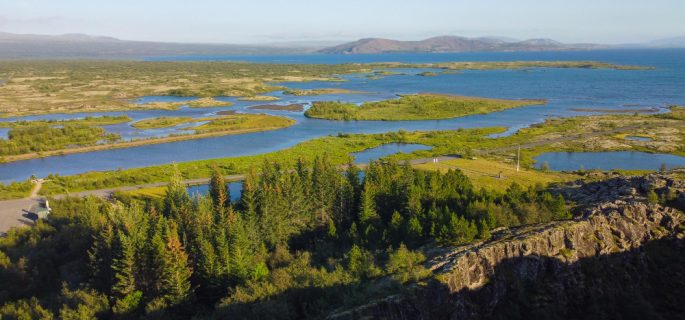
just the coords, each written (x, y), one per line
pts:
(262, 21)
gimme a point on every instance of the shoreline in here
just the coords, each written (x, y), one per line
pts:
(136, 143)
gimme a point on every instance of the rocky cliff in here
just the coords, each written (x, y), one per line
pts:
(620, 258)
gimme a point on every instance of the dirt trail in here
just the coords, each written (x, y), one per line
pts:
(38, 184)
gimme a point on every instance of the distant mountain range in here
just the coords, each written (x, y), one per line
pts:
(29, 46)
(485, 44)
(454, 44)
(79, 46)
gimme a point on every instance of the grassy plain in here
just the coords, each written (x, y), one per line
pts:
(40, 87)
(496, 175)
(414, 107)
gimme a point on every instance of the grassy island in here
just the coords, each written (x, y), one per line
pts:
(258, 98)
(242, 123)
(87, 121)
(161, 122)
(208, 102)
(414, 107)
(44, 141)
(50, 135)
(318, 92)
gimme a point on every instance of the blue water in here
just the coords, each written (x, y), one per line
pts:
(385, 150)
(565, 89)
(628, 160)
(234, 188)
(636, 138)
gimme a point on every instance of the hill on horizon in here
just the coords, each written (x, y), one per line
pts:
(83, 46)
(453, 44)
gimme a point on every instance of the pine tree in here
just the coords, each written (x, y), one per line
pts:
(176, 199)
(483, 230)
(240, 250)
(125, 270)
(218, 191)
(368, 217)
(100, 258)
(414, 230)
(175, 278)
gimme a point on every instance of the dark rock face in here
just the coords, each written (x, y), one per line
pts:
(621, 259)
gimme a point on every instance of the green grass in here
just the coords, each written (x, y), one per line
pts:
(677, 113)
(485, 173)
(87, 121)
(208, 102)
(461, 141)
(161, 122)
(15, 190)
(337, 148)
(243, 122)
(36, 139)
(317, 92)
(414, 107)
(258, 98)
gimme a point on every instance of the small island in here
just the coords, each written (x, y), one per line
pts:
(39, 140)
(160, 122)
(414, 107)
(294, 107)
(208, 102)
(318, 92)
(258, 98)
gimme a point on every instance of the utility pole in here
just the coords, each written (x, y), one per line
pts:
(518, 159)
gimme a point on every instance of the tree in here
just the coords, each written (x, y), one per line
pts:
(361, 263)
(457, 230)
(125, 270)
(558, 208)
(176, 199)
(218, 191)
(100, 258)
(406, 265)
(483, 230)
(175, 278)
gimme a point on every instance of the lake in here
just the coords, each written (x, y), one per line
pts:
(628, 160)
(234, 188)
(565, 89)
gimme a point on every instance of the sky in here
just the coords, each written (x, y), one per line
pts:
(264, 21)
